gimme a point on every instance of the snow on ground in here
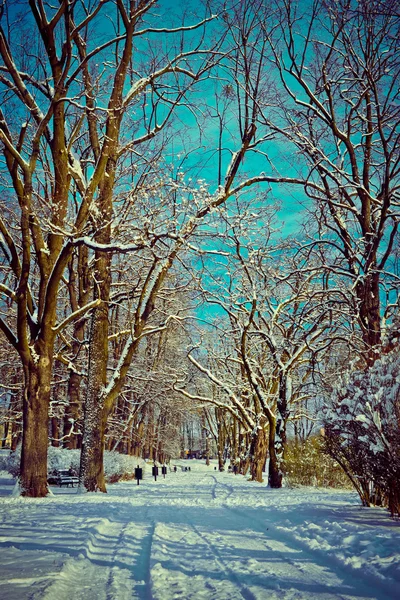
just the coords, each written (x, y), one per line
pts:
(196, 535)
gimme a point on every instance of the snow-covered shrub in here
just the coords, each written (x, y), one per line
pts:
(61, 458)
(12, 462)
(116, 466)
(306, 463)
(4, 454)
(57, 458)
(362, 431)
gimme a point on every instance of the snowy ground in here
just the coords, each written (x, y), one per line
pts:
(196, 535)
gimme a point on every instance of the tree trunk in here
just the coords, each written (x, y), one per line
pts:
(80, 287)
(4, 434)
(92, 454)
(284, 400)
(72, 412)
(138, 439)
(91, 471)
(35, 435)
(207, 449)
(274, 471)
(220, 439)
(55, 432)
(258, 454)
(368, 294)
(15, 435)
(244, 453)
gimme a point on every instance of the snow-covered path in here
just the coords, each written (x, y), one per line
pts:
(197, 535)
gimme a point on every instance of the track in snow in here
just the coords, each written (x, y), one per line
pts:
(194, 536)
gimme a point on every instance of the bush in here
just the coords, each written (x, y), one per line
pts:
(61, 458)
(306, 463)
(12, 461)
(116, 466)
(120, 466)
(362, 427)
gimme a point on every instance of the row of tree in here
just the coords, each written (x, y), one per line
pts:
(147, 155)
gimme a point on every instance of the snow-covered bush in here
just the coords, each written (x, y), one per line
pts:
(4, 454)
(116, 466)
(362, 430)
(57, 458)
(61, 458)
(12, 462)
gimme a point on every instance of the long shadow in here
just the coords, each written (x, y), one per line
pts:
(208, 521)
(367, 584)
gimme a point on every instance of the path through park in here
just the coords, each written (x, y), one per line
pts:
(196, 535)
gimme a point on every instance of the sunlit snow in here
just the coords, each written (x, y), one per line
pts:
(196, 535)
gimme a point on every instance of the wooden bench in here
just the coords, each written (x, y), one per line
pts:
(68, 481)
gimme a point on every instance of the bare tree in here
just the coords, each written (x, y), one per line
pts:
(63, 145)
(338, 113)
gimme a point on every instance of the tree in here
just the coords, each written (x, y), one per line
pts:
(61, 137)
(337, 112)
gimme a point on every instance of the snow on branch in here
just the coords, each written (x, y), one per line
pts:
(208, 400)
(7, 291)
(76, 314)
(121, 248)
(230, 393)
(175, 29)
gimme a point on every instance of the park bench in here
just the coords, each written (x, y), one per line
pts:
(63, 477)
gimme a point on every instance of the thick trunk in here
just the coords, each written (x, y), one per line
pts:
(258, 454)
(95, 416)
(33, 476)
(92, 454)
(369, 314)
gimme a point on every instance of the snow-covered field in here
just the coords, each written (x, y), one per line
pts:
(196, 535)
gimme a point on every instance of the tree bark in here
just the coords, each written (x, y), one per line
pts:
(274, 471)
(91, 471)
(33, 477)
(92, 454)
(258, 454)
(16, 434)
(72, 412)
(368, 292)
(55, 432)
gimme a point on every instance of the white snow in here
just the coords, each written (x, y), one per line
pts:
(196, 535)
